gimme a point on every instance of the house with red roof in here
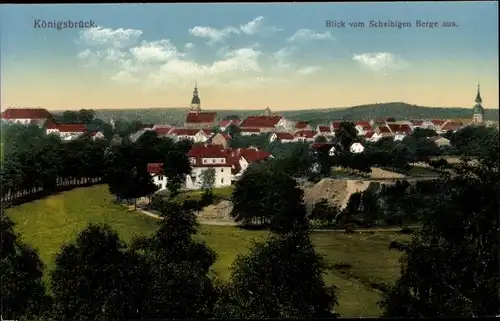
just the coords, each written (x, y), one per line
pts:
(305, 135)
(66, 131)
(163, 131)
(194, 134)
(454, 126)
(282, 137)
(263, 124)
(226, 163)
(249, 131)
(362, 127)
(334, 125)
(25, 116)
(302, 125)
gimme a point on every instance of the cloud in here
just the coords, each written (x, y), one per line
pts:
(282, 58)
(155, 51)
(309, 70)
(307, 34)
(161, 62)
(213, 35)
(117, 38)
(380, 61)
(253, 26)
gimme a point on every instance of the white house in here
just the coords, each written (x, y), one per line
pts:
(357, 148)
(305, 135)
(285, 124)
(66, 131)
(282, 137)
(399, 137)
(25, 116)
(373, 137)
(440, 141)
(249, 131)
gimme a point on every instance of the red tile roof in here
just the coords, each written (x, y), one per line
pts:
(68, 128)
(364, 124)
(25, 113)
(201, 117)
(253, 156)
(368, 134)
(400, 128)
(260, 121)
(184, 131)
(208, 151)
(250, 130)
(384, 129)
(155, 168)
(162, 130)
(305, 133)
(208, 131)
(438, 122)
(301, 125)
(335, 124)
(286, 136)
(148, 126)
(323, 129)
(452, 125)
(225, 123)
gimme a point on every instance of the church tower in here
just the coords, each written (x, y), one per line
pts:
(478, 110)
(268, 112)
(195, 102)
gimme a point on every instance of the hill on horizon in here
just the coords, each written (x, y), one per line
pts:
(398, 110)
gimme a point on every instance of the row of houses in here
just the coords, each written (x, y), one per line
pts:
(228, 165)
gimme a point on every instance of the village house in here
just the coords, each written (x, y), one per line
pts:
(440, 141)
(193, 134)
(221, 139)
(324, 130)
(334, 126)
(302, 125)
(26, 116)
(262, 124)
(95, 134)
(450, 125)
(318, 147)
(249, 131)
(227, 165)
(362, 127)
(163, 131)
(305, 135)
(66, 131)
(282, 137)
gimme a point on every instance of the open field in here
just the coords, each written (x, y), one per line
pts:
(219, 193)
(46, 224)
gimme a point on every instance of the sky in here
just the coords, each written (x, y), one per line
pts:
(248, 56)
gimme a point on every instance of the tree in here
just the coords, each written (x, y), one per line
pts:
(423, 133)
(281, 278)
(233, 130)
(22, 288)
(346, 135)
(94, 278)
(324, 212)
(175, 167)
(177, 266)
(271, 197)
(450, 268)
(208, 178)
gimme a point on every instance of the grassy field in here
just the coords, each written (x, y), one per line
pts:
(219, 193)
(46, 224)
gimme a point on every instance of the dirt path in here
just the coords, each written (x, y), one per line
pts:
(219, 223)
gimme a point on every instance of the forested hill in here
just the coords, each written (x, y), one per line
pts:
(373, 111)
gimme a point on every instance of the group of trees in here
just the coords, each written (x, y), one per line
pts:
(166, 275)
(34, 162)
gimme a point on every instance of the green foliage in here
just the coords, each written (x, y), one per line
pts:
(281, 278)
(208, 178)
(450, 268)
(324, 213)
(94, 277)
(83, 116)
(22, 288)
(271, 197)
(346, 135)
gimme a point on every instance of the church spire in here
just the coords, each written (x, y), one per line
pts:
(478, 96)
(195, 102)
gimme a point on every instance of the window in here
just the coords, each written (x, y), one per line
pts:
(160, 178)
(204, 161)
(213, 160)
(222, 169)
(222, 181)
